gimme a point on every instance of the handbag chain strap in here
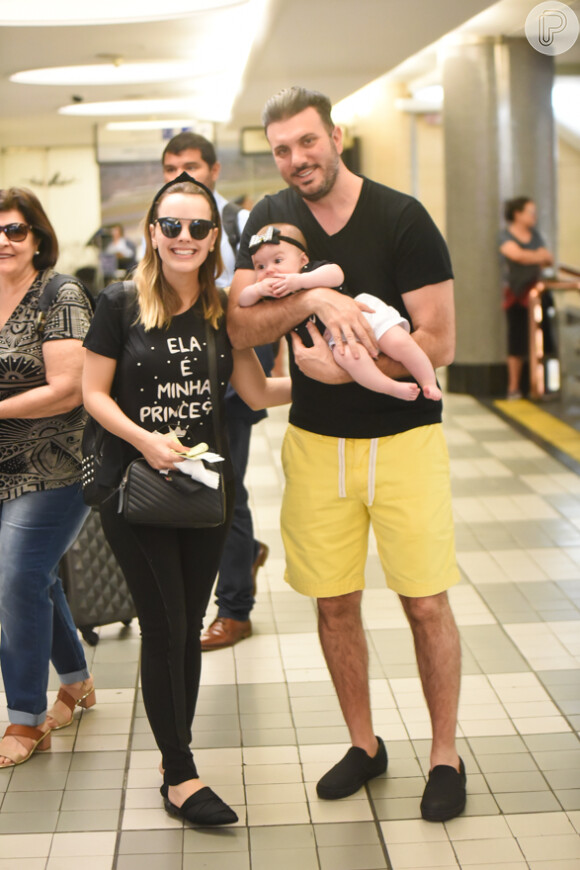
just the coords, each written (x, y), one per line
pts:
(213, 384)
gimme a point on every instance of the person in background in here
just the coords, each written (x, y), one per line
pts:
(243, 555)
(524, 255)
(41, 503)
(244, 201)
(124, 250)
(117, 253)
(154, 363)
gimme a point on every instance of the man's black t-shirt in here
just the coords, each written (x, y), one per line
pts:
(389, 246)
(162, 375)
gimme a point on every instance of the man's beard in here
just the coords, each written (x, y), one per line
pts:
(328, 179)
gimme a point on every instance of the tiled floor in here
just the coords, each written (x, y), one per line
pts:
(269, 722)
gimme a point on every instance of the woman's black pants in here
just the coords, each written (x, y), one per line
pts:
(170, 573)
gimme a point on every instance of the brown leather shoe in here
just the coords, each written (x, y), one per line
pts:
(224, 632)
(259, 561)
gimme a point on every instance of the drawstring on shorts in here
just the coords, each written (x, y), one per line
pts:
(374, 443)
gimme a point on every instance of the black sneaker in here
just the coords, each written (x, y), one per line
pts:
(351, 773)
(444, 796)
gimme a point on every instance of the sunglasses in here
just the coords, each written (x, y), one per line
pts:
(15, 232)
(171, 227)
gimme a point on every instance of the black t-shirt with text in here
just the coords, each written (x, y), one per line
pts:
(389, 247)
(162, 375)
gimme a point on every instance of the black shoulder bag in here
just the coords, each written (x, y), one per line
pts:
(175, 500)
(102, 465)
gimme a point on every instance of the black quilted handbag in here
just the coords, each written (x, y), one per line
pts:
(173, 499)
(147, 497)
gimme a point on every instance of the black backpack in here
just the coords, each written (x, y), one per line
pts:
(230, 224)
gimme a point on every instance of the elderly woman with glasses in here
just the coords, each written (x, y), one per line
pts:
(41, 505)
(146, 380)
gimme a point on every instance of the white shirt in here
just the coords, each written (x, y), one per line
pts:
(228, 256)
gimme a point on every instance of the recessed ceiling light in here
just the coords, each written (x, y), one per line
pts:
(162, 124)
(128, 107)
(211, 107)
(58, 13)
(111, 73)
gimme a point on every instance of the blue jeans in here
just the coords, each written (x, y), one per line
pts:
(36, 529)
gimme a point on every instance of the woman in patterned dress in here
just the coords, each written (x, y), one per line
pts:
(41, 504)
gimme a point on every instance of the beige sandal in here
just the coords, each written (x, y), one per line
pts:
(41, 742)
(86, 699)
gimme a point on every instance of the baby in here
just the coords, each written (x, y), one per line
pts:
(282, 265)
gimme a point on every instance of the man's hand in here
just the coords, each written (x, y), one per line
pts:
(343, 318)
(317, 362)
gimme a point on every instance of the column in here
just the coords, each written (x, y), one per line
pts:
(499, 143)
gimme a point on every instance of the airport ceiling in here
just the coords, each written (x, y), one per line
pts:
(335, 46)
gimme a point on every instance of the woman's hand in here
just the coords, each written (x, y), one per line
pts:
(162, 452)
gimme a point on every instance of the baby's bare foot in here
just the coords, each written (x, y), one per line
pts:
(432, 391)
(408, 392)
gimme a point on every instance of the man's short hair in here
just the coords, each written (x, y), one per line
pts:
(194, 141)
(292, 101)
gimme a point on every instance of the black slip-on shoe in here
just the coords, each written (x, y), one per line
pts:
(204, 808)
(352, 772)
(445, 795)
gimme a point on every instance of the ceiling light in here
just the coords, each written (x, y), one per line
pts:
(111, 73)
(58, 13)
(429, 94)
(160, 124)
(209, 107)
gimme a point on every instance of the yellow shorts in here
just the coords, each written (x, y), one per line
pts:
(336, 487)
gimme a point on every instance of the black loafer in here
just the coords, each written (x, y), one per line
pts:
(352, 772)
(444, 796)
(204, 808)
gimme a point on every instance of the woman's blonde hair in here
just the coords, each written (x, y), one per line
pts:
(157, 299)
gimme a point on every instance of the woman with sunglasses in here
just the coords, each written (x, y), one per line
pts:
(41, 504)
(156, 368)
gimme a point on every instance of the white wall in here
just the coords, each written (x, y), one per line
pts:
(66, 181)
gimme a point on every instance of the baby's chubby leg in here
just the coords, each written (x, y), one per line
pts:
(398, 344)
(364, 371)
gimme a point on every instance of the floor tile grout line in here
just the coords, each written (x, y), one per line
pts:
(127, 768)
(377, 823)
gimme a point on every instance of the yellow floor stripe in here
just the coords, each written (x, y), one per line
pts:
(554, 431)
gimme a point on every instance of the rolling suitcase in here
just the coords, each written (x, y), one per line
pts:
(93, 582)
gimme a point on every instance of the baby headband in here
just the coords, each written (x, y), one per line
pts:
(272, 236)
(179, 180)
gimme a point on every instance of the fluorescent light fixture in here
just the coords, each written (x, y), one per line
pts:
(160, 124)
(430, 94)
(39, 13)
(111, 73)
(210, 107)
